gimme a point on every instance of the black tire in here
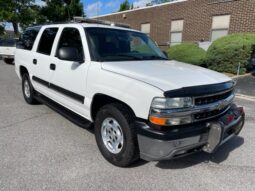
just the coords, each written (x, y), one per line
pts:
(9, 60)
(30, 99)
(129, 152)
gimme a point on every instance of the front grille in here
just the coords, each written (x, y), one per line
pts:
(209, 114)
(212, 98)
(216, 101)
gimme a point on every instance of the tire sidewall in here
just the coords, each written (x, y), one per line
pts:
(30, 99)
(121, 158)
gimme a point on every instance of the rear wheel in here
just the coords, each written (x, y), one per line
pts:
(28, 90)
(8, 60)
(115, 134)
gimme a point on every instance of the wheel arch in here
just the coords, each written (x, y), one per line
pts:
(99, 100)
(23, 70)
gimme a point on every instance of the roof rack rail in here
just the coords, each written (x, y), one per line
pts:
(102, 22)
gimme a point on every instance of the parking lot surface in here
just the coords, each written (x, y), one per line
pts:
(246, 85)
(41, 150)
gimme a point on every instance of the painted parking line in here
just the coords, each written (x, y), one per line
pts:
(245, 97)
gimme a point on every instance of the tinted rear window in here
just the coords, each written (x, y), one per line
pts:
(9, 43)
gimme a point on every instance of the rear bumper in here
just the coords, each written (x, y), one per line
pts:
(207, 136)
(6, 56)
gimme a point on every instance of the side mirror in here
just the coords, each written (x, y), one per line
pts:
(69, 54)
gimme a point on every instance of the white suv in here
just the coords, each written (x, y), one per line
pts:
(7, 50)
(141, 104)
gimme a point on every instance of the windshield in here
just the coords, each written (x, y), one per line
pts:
(120, 45)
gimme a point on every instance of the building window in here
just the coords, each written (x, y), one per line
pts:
(220, 26)
(176, 32)
(146, 28)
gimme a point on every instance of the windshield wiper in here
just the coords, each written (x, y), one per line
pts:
(154, 57)
(130, 56)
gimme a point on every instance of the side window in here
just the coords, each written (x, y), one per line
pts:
(27, 40)
(71, 37)
(47, 40)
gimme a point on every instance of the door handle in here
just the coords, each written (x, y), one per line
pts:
(52, 66)
(34, 61)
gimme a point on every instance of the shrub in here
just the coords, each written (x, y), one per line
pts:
(187, 52)
(225, 54)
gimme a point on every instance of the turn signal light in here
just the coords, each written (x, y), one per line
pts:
(158, 120)
(170, 121)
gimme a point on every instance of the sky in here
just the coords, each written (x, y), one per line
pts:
(98, 7)
(101, 7)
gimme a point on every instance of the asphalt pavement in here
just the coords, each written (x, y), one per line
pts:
(246, 85)
(41, 150)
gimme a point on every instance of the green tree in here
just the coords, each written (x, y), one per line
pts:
(125, 6)
(226, 53)
(18, 12)
(74, 8)
(62, 10)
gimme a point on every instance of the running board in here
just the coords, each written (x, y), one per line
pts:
(68, 114)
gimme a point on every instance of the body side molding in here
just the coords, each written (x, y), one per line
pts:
(61, 90)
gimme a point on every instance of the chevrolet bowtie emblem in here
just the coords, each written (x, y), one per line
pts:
(222, 105)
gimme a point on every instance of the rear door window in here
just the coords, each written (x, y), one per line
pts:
(47, 40)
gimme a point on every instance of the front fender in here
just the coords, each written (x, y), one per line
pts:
(136, 94)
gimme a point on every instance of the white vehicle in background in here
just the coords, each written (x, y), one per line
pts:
(7, 50)
(142, 105)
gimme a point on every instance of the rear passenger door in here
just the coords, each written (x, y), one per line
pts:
(69, 80)
(42, 59)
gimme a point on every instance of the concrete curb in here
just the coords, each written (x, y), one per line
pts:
(245, 97)
(241, 76)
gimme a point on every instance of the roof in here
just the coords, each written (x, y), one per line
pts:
(85, 25)
(138, 9)
(97, 23)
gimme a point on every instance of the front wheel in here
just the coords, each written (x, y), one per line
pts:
(115, 134)
(28, 90)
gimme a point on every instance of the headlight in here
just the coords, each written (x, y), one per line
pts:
(172, 103)
(161, 112)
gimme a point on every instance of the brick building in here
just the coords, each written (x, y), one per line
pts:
(190, 20)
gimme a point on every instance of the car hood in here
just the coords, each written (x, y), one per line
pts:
(166, 75)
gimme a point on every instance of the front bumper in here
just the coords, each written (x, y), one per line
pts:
(175, 142)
